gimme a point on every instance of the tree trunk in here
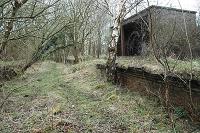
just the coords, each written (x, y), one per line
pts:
(99, 44)
(94, 50)
(114, 38)
(75, 53)
(89, 47)
(29, 65)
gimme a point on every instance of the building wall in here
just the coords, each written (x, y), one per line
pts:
(168, 30)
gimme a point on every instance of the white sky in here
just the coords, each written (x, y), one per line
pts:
(193, 5)
(186, 4)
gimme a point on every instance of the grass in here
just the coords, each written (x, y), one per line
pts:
(11, 63)
(53, 97)
(149, 64)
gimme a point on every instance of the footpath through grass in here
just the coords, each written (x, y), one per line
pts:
(53, 97)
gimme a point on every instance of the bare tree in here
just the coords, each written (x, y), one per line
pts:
(9, 24)
(122, 12)
(114, 38)
(17, 20)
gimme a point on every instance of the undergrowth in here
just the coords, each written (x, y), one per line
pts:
(53, 97)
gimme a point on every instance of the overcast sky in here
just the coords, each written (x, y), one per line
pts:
(193, 5)
(186, 4)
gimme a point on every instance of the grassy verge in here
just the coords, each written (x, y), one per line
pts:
(52, 97)
(149, 64)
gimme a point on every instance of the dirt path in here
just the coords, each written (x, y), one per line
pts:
(53, 97)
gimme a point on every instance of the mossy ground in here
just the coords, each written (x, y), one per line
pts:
(180, 68)
(53, 97)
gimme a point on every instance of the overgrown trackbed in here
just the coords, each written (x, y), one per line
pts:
(53, 97)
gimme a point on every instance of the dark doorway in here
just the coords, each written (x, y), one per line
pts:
(134, 40)
(133, 45)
